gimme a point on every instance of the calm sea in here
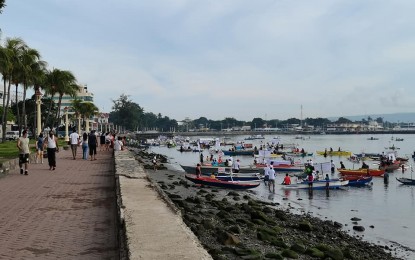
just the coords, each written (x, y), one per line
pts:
(390, 207)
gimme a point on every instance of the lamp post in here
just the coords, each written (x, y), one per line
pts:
(79, 124)
(38, 112)
(66, 125)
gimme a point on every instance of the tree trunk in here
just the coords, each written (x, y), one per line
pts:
(50, 108)
(4, 115)
(6, 107)
(24, 107)
(18, 110)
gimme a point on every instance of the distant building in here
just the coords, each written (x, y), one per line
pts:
(82, 94)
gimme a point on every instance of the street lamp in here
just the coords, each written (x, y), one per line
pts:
(38, 117)
(66, 125)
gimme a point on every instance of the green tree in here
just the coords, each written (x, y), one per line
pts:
(126, 113)
(257, 123)
(343, 120)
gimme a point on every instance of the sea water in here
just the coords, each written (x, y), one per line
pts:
(386, 210)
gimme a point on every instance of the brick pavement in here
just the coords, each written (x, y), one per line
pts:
(69, 213)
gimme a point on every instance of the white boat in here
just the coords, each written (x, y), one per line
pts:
(317, 185)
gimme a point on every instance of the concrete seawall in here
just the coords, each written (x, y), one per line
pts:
(151, 225)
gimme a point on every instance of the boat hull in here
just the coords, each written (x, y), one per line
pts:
(406, 181)
(362, 172)
(317, 185)
(207, 170)
(335, 153)
(222, 184)
(238, 152)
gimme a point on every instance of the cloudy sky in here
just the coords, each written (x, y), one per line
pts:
(229, 58)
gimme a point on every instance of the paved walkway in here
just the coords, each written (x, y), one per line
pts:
(69, 213)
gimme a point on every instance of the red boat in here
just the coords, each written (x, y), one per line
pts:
(208, 181)
(362, 172)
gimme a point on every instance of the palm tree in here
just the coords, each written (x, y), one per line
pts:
(86, 109)
(59, 82)
(9, 63)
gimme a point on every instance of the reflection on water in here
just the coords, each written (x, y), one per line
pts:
(380, 205)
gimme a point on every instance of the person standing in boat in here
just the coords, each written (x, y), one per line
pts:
(332, 167)
(201, 158)
(236, 166)
(342, 165)
(327, 179)
(198, 170)
(365, 166)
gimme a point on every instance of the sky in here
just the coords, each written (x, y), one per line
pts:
(229, 58)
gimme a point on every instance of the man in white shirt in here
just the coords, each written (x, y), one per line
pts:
(74, 140)
(271, 182)
(236, 166)
(118, 144)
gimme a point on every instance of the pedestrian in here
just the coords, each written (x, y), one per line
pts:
(154, 162)
(271, 180)
(332, 167)
(310, 181)
(327, 179)
(74, 141)
(85, 146)
(39, 148)
(92, 145)
(52, 147)
(201, 158)
(23, 146)
(102, 142)
(118, 145)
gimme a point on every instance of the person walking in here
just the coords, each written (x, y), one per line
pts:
(39, 148)
(85, 146)
(52, 147)
(74, 139)
(92, 145)
(23, 146)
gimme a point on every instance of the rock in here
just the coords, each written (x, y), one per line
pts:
(337, 224)
(227, 239)
(355, 219)
(334, 253)
(233, 193)
(279, 242)
(297, 247)
(281, 215)
(305, 226)
(274, 255)
(236, 198)
(289, 254)
(208, 224)
(258, 222)
(372, 226)
(359, 228)
(323, 247)
(245, 251)
(246, 197)
(259, 215)
(314, 252)
(174, 196)
(235, 229)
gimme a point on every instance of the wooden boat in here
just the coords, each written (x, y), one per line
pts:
(214, 169)
(357, 181)
(373, 138)
(406, 181)
(317, 185)
(362, 172)
(288, 168)
(238, 152)
(335, 153)
(238, 177)
(255, 137)
(298, 154)
(208, 181)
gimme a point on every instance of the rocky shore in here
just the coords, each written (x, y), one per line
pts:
(234, 225)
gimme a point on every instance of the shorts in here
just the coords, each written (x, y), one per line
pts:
(272, 181)
(266, 178)
(23, 158)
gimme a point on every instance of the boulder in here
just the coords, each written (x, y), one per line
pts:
(288, 253)
(305, 226)
(274, 255)
(314, 252)
(227, 239)
(298, 247)
(359, 228)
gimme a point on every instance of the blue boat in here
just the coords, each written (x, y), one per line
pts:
(238, 152)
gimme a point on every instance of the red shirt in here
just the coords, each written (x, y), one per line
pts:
(287, 180)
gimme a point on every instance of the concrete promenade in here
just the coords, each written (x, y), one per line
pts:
(69, 213)
(76, 212)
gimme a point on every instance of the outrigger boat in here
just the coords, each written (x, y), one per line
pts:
(208, 181)
(357, 181)
(335, 153)
(207, 170)
(317, 185)
(362, 172)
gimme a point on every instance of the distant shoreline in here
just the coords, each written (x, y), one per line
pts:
(276, 133)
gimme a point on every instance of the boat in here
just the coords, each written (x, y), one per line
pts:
(255, 137)
(357, 181)
(406, 181)
(238, 152)
(398, 139)
(362, 172)
(373, 138)
(335, 153)
(298, 154)
(208, 181)
(209, 169)
(238, 177)
(354, 158)
(288, 168)
(317, 185)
